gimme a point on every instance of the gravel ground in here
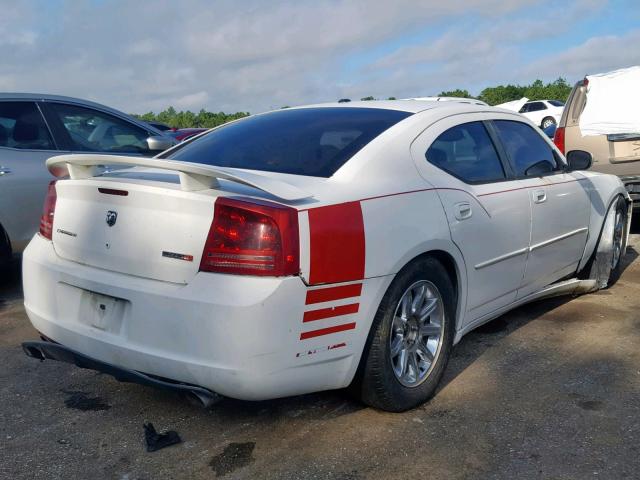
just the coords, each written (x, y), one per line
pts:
(548, 391)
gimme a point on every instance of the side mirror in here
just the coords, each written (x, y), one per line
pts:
(579, 160)
(539, 168)
(159, 143)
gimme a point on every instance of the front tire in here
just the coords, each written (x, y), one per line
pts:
(547, 122)
(411, 338)
(619, 240)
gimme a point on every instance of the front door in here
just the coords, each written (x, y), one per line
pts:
(560, 205)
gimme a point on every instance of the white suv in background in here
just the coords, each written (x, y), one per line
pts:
(543, 112)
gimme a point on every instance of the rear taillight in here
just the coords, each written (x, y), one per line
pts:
(49, 208)
(558, 138)
(252, 237)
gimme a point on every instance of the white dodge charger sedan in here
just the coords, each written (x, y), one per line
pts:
(315, 248)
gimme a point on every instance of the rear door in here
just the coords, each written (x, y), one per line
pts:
(560, 205)
(488, 213)
(25, 143)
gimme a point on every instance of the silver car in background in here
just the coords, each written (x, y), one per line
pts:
(34, 127)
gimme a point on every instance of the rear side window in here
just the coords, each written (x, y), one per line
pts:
(467, 152)
(307, 141)
(529, 154)
(22, 126)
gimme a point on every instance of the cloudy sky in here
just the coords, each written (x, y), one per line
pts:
(256, 55)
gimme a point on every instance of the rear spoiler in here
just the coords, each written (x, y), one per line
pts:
(193, 176)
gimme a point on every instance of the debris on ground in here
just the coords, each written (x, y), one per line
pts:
(156, 441)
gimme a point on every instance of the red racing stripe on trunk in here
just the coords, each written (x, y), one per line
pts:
(330, 312)
(327, 331)
(337, 243)
(333, 293)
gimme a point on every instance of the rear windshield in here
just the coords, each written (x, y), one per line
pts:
(308, 141)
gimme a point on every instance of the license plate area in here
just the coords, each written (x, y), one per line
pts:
(93, 309)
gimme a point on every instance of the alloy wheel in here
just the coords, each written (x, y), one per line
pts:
(417, 333)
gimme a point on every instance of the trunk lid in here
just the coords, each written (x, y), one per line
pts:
(152, 232)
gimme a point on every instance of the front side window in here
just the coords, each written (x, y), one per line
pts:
(306, 141)
(467, 152)
(529, 154)
(94, 131)
(537, 106)
(22, 126)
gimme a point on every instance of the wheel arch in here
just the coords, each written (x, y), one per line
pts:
(591, 265)
(603, 193)
(451, 258)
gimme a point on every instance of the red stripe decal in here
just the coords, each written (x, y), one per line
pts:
(330, 312)
(327, 331)
(333, 293)
(337, 243)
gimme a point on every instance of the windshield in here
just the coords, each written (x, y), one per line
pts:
(556, 103)
(307, 141)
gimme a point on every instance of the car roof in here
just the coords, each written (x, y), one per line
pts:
(408, 105)
(34, 97)
(45, 96)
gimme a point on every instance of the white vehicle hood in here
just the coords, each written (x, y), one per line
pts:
(613, 103)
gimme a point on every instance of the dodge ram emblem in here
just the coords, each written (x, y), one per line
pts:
(111, 218)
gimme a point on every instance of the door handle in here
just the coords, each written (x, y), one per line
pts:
(539, 196)
(463, 210)
(4, 171)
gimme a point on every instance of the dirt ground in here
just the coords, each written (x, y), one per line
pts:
(548, 391)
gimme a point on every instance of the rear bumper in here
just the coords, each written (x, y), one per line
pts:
(53, 351)
(237, 336)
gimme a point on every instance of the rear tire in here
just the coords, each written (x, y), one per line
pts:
(547, 122)
(417, 317)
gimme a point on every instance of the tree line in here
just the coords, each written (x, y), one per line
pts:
(188, 119)
(538, 90)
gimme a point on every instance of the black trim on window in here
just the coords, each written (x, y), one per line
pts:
(56, 129)
(502, 153)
